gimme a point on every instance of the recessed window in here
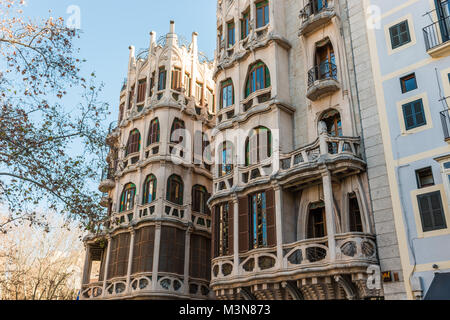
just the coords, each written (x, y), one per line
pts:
(400, 34)
(414, 114)
(425, 178)
(262, 14)
(231, 33)
(259, 220)
(162, 79)
(432, 211)
(408, 83)
(245, 25)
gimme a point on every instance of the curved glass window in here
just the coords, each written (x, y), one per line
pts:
(175, 189)
(149, 189)
(258, 78)
(127, 197)
(258, 146)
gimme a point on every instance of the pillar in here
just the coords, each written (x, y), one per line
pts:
(235, 236)
(187, 251)
(329, 209)
(130, 259)
(279, 225)
(156, 255)
(105, 273)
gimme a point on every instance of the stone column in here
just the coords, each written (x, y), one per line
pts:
(278, 221)
(235, 236)
(187, 251)
(87, 264)
(105, 273)
(329, 209)
(156, 255)
(130, 259)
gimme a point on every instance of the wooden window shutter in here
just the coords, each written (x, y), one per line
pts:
(243, 225)
(215, 230)
(271, 220)
(230, 228)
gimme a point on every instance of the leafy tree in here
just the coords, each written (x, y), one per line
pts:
(50, 148)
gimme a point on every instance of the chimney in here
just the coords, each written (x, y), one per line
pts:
(152, 41)
(171, 37)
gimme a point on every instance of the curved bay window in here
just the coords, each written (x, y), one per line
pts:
(154, 132)
(258, 146)
(175, 189)
(333, 121)
(316, 221)
(226, 159)
(199, 199)
(134, 142)
(226, 94)
(177, 132)
(258, 78)
(355, 222)
(127, 198)
(149, 189)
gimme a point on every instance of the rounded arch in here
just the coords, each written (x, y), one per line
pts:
(127, 197)
(258, 78)
(175, 189)
(177, 131)
(332, 118)
(134, 142)
(226, 98)
(149, 189)
(258, 145)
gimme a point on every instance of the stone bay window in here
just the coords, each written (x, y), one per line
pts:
(258, 78)
(134, 143)
(175, 188)
(127, 198)
(149, 189)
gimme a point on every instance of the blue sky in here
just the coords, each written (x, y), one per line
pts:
(110, 27)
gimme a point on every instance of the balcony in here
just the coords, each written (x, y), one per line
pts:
(315, 15)
(322, 81)
(445, 119)
(300, 261)
(437, 38)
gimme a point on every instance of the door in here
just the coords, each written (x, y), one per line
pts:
(443, 10)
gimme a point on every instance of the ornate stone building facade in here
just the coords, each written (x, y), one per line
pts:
(290, 204)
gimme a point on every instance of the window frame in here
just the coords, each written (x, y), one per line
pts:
(153, 182)
(397, 27)
(130, 144)
(171, 182)
(435, 227)
(162, 83)
(418, 178)
(252, 83)
(225, 85)
(154, 137)
(263, 7)
(407, 78)
(258, 220)
(411, 104)
(127, 202)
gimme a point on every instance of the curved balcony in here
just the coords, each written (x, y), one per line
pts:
(315, 15)
(322, 81)
(302, 260)
(201, 221)
(106, 185)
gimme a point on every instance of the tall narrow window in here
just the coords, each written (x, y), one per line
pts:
(262, 14)
(258, 146)
(223, 228)
(258, 78)
(245, 25)
(187, 84)
(354, 214)
(226, 161)
(162, 79)
(177, 132)
(175, 190)
(131, 97)
(176, 79)
(152, 84)
(142, 87)
(431, 211)
(316, 221)
(414, 114)
(227, 94)
(210, 100)
(149, 189)
(259, 220)
(325, 62)
(199, 199)
(121, 111)
(134, 142)
(127, 198)
(333, 121)
(154, 132)
(199, 93)
(231, 34)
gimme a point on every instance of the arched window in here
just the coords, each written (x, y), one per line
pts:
(325, 62)
(154, 132)
(149, 189)
(226, 94)
(134, 142)
(333, 121)
(258, 146)
(316, 221)
(258, 78)
(355, 222)
(127, 197)
(226, 159)
(199, 199)
(175, 189)
(177, 132)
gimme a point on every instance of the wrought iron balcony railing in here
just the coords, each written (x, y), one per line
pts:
(437, 33)
(324, 71)
(445, 119)
(313, 7)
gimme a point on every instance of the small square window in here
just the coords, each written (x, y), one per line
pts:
(408, 83)
(414, 114)
(425, 178)
(400, 34)
(447, 165)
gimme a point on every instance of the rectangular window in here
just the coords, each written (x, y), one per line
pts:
(210, 99)
(231, 33)
(431, 211)
(262, 14)
(176, 79)
(414, 115)
(227, 94)
(152, 84)
(424, 178)
(259, 220)
(142, 87)
(400, 34)
(408, 83)
(187, 85)
(223, 234)
(199, 93)
(245, 25)
(131, 97)
(162, 80)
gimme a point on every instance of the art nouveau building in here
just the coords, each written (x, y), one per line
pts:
(157, 242)
(292, 212)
